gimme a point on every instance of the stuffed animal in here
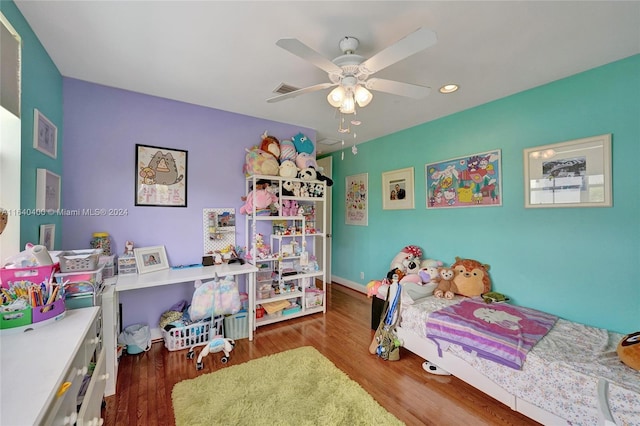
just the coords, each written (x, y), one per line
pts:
(429, 270)
(308, 173)
(407, 255)
(302, 143)
(260, 198)
(304, 160)
(446, 287)
(288, 169)
(271, 145)
(259, 162)
(287, 151)
(287, 188)
(471, 277)
(629, 350)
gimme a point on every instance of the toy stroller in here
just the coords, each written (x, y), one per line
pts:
(217, 344)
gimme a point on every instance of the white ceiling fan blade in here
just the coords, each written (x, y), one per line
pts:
(302, 91)
(397, 88)
(409, 45)
(303, 51)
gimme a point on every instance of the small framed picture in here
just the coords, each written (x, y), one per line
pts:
(48, 186)
(45, 135)
(151, 259)
(397, 189)
(48, 236)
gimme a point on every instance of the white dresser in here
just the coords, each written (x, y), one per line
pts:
(42, 371)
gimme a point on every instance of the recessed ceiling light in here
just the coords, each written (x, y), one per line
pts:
(449, 88)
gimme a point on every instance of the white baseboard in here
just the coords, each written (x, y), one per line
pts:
(349, 284)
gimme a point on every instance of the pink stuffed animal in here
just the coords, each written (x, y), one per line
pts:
(261, 198)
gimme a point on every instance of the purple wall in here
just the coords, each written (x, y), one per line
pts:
(102, 126)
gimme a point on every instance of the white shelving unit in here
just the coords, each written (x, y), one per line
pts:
(288, 271)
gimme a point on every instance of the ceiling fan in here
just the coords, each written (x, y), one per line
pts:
(350, 72)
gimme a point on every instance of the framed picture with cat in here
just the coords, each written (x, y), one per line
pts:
(161, 176)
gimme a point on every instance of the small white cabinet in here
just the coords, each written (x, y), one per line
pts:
(285, 246)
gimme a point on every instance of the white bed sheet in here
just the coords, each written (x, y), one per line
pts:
(561, 372)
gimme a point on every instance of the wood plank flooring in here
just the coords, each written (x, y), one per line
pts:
(343, 335)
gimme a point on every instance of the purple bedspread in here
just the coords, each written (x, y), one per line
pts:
(500, 332)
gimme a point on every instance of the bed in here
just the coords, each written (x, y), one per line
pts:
(571, 376)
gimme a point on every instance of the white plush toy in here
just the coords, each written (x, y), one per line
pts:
(288, 169)
(429, 270)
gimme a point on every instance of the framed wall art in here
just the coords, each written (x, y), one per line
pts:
(151, 259)
(47, 236)
(357, 199)
(48, 186)
(161, 176)
(575, 173)
(469, 181)
(398, 189)
(45, 135)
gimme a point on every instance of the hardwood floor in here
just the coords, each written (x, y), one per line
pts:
(343, 335)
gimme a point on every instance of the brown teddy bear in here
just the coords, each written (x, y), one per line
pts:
(446, 287)
(471, 277)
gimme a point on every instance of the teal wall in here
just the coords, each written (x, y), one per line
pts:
(41, 89)
(579, 263)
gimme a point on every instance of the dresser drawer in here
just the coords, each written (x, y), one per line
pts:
(89, 414)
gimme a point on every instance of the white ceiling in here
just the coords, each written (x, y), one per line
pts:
(223, 54)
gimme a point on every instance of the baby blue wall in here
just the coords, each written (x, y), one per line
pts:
(578, 263)
(41, 89)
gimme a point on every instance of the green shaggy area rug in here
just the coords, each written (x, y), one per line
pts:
(295, 387)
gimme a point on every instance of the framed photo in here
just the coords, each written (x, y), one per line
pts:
(397, 189)
(357, 199)
(48, 236)
(575, 173)
(161, 176)
(45, 135)
(151, 259)
(48, 186)
(469, 181)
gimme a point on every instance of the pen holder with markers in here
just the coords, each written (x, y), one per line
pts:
(26, 303)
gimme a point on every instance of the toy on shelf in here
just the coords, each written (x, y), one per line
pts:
(217, 344)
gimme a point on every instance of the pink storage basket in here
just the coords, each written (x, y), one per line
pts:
(35, 275)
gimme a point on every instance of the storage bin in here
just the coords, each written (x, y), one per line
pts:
(291, 310)
(313, 297)
(79, 260)
(192, 335)
(94, 276)
(15, 318)
(35, 274)
(43, 313)
(264, 275)
(236, 326)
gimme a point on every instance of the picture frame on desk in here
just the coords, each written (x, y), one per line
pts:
(151, 259)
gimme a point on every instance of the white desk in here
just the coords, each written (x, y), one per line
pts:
(156, 279)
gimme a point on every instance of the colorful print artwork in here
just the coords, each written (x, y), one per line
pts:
(470, 181)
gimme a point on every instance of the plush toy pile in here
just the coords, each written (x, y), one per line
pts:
(424, 277)
(290, 159)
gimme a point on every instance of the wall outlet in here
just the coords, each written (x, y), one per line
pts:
(362, 275)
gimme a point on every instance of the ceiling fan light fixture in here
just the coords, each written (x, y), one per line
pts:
(363, 96)
(336, 97)
(348, 105)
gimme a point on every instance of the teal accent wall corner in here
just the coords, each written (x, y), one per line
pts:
(41, 89)
(572, 262)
